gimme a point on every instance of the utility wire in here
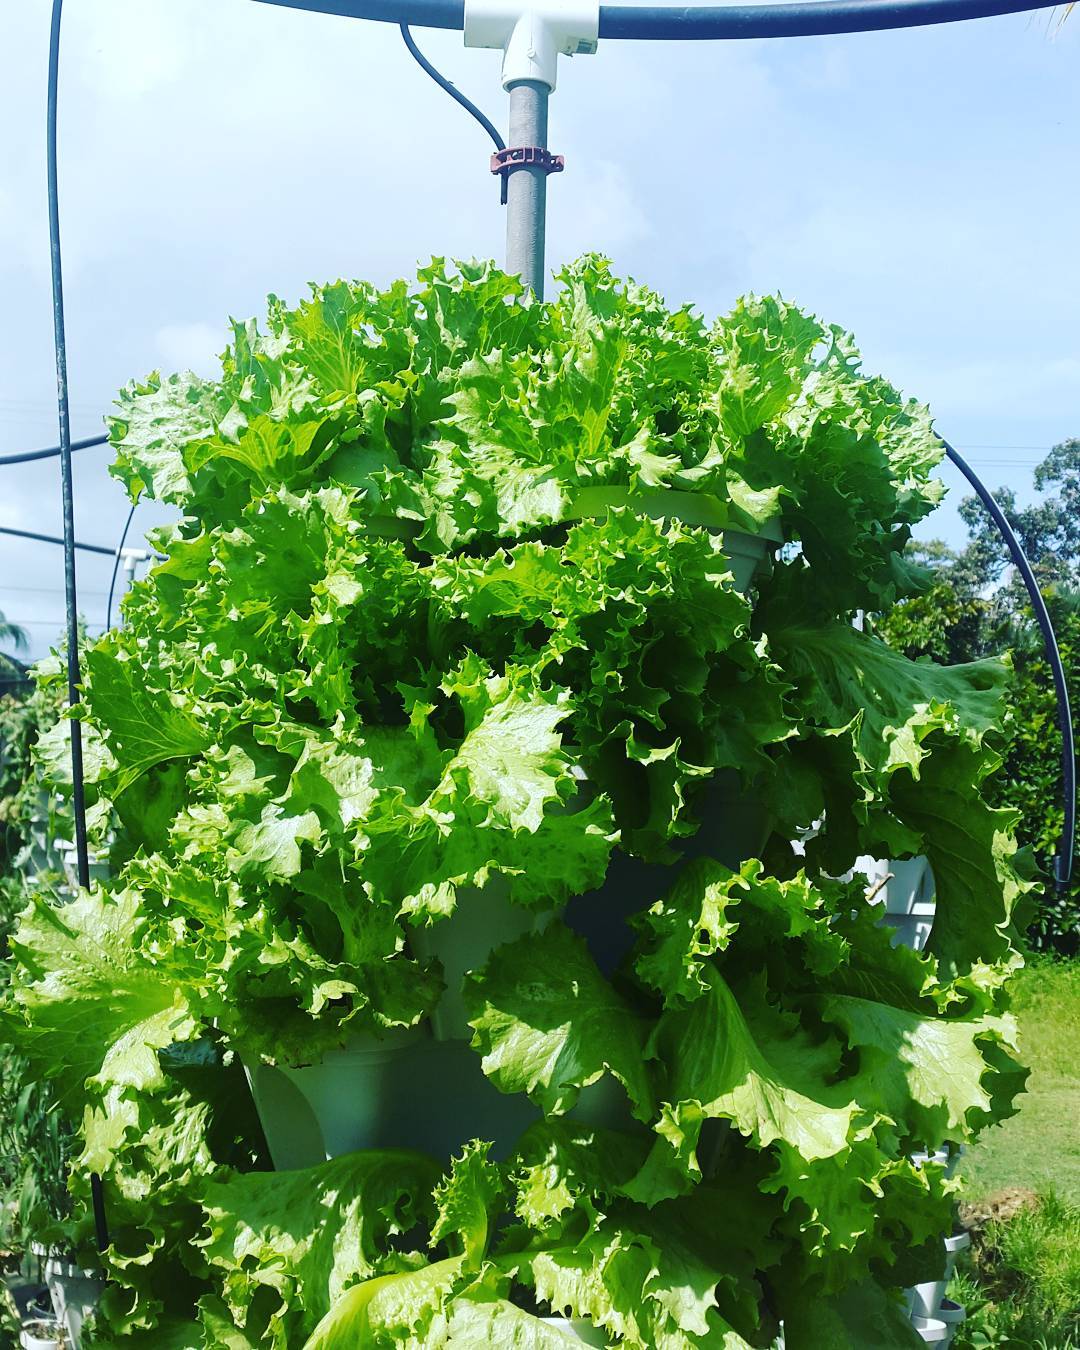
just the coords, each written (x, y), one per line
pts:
(1064, 861)
(54, 451)
(45, 623)
(47, 590)
(458, 97)
(78, 791)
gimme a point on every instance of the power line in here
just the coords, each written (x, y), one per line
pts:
(47, 623)
(46, 590)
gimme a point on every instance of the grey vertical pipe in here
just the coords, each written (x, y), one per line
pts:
(526, 192)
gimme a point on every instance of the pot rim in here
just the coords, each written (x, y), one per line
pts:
(950, 1312)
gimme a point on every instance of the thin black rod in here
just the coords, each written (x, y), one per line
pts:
(53, 452)
(1064, 861)
(66, 485)
(813, 18)
(451, 88)
(78, 792)
(116, 565)
(54, 539)
(101, 1226)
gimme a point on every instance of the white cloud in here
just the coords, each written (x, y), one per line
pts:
(190, 346)
(915, 186)
(1001, 386)
(601, 213)
(124, 49)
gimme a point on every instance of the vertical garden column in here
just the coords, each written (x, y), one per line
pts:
(526, 190)
(531, 37)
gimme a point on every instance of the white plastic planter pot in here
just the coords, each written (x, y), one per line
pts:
(947, 1157)
(932, 1330)
(927, 1297)
(349, 1100)
(952, 1314)
(954, 1245)
(578, 1328)
(909, 930)
(404, 1090)
(481, 921)
(99, 867)
(74, 1293)
(42, 1334)
(942, 1157)
(910, 889)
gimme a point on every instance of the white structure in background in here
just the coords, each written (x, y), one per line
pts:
(905, 890)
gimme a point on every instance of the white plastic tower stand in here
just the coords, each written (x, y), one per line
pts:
(531, 40)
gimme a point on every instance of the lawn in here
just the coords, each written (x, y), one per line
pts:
(1040, 1147)
(1020, 1283)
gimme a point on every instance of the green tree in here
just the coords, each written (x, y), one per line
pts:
(975, 603)
(16, 636)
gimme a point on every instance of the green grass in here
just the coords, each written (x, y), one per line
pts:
(1021, 1282)
(1039, 1149)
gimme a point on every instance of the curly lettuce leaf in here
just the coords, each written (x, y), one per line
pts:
(557, 1028)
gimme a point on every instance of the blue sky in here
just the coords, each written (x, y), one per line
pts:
(921, 188)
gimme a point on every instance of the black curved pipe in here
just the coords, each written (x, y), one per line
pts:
(414, 13)
(810, 18)
(451, 88)
(1064, 860)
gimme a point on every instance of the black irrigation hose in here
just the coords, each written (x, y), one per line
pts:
(452, 89)
(78, 791)
(1063, 863)
(53, 452)
(458, 97)
(116, 565)
(814, 18)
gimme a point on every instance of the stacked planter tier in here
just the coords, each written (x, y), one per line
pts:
(379, 1091)
(74, 1292)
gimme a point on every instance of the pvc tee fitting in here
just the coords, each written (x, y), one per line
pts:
(533, 38)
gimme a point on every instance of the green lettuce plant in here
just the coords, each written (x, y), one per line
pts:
(448, 603)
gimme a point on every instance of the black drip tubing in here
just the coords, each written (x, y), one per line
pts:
(1063, 862)
(116, 565)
